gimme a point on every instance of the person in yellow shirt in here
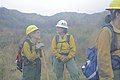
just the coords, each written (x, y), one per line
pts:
(64, 51)
(31, 54)
(104, 41)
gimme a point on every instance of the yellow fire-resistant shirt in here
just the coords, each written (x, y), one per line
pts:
(104, 56)
(31, 55)
(63, 46)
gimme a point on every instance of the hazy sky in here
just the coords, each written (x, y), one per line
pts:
(51, 7)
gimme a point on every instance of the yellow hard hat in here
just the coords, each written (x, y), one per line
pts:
(115, 4)
(30, 29)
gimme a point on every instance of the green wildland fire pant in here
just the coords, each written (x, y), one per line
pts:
(71, 67)
(31, 70)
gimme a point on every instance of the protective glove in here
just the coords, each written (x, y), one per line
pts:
(63, 57)
(66, 60)
(39, 45)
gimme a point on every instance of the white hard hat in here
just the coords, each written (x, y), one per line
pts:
(62, 24)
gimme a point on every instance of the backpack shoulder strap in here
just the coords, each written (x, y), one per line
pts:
(57, 39)
(68, 39)
(114, 38)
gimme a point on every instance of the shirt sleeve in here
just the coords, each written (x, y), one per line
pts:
(104, 57)
(72, 47)
(27, 53)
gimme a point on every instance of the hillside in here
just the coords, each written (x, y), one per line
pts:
(16, 19)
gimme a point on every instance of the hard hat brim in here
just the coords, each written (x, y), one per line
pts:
(116, 8)
(62, 26)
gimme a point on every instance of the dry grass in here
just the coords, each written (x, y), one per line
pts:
(9, 50)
